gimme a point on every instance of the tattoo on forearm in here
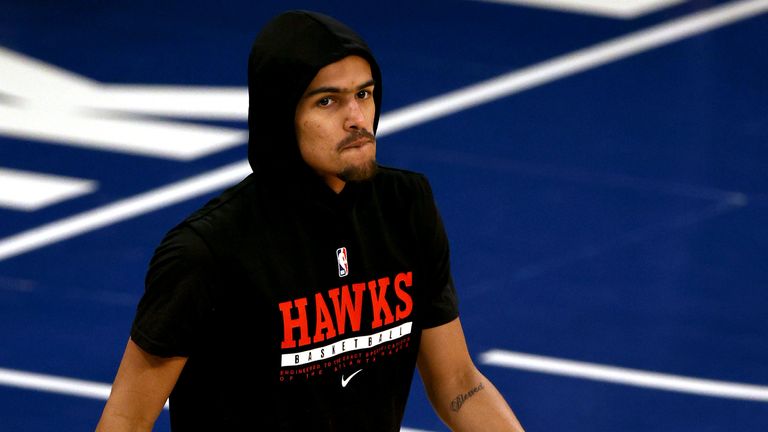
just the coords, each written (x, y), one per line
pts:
(460, 399)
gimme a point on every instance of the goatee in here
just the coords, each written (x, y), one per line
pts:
(362, 171)
(359, 172)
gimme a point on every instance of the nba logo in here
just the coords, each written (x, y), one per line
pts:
(341, 258)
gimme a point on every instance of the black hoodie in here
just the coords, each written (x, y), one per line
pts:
(298, 308)
(284, 59)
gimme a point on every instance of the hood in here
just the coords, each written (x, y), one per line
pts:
(284, 59)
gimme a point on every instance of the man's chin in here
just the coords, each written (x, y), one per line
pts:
(356, 173)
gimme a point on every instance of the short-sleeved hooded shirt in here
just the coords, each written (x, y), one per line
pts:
(298, 308)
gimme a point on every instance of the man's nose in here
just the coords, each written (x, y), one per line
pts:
(355, 116)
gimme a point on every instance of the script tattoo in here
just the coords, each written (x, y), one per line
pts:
(460, 399)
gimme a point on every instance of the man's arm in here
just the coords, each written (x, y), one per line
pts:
(463, 398)
(141, 387)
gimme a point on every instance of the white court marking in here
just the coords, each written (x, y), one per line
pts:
(55, 384)
(625, 376)
(199, 102)
(125, 134)
(572, 63)
(30, 191)
(123, 209)
(50, 104)
(392, 122)
(32, 82)
(626, 9)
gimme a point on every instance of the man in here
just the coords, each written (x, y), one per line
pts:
(304, 297)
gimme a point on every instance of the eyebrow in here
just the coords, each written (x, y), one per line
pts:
(319, 90)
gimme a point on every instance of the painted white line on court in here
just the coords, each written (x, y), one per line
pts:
(29, 78)
(32, 82)
(572, 63)
(199, 102)
(124, 209)
(88, 114)
(410, 116)
(30, 191)
(55, 384)
(625, 376)
(626, 9)
(129, 135)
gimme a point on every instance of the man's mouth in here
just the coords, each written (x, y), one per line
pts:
(356, 140)
(356, 144)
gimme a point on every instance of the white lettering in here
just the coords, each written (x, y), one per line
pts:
(339, 347)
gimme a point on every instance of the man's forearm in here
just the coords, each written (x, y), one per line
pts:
(112, 420)
(476, 407)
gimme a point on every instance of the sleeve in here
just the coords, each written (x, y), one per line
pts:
(176, 299)
(440, 297)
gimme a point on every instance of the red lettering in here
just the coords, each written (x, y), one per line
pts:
(345, 308)
(289, 323)
(380, 303)
(405, 311)
(324, 321)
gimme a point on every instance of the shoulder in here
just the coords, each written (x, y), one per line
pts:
(403, 182)
(181, 246)
(229, 204)
(227, 213)
(222, 216)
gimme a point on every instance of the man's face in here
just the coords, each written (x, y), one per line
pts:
(334, 122)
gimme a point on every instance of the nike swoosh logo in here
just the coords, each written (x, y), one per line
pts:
(344, 381)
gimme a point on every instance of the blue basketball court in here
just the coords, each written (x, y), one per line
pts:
(601, 167)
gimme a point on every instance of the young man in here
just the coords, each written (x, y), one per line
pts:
(304, 297)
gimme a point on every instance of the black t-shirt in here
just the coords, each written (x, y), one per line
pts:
(298, 308)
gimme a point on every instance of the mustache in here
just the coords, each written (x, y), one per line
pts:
(355, 136)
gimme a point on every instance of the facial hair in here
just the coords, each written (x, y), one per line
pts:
(359, 172)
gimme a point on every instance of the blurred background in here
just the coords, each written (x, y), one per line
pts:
(601, 166)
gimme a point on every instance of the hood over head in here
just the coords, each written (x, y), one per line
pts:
(284, 59)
